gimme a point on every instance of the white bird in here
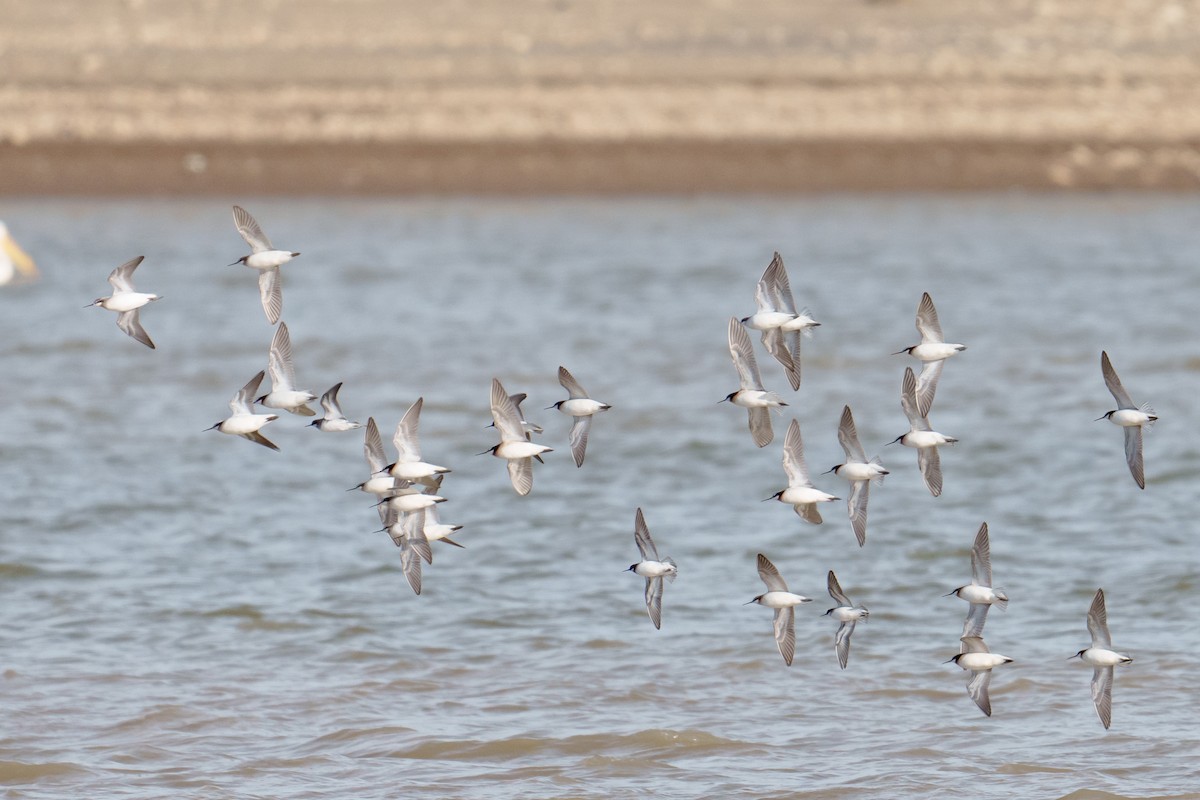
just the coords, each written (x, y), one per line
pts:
(15, 263)
(932, 352)
(436, 531)
(408, 465)
(771, 316)
(652, 568)
(1102, 658)
(847, 614)
(979, 592)
(922, 437)
(284, 395)
(334, 420)
(242, 420)
(784, 602)
(800, 493)
(264, 258)
(126, 302)
(979, 661)
(380, 483)
(582, 408)
(860, 472)
(751, 396)
(1129, 417)
(514, 446)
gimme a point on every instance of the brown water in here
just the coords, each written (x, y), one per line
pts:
(187, 614)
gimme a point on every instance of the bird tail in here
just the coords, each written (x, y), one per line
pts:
(1001, 599)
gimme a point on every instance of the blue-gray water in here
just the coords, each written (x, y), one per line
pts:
(187, 614)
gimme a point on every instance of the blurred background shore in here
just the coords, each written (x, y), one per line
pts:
(533, 96)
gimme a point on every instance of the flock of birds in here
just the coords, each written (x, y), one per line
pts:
(408, 488)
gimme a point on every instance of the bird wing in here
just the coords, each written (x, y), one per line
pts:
(520, 472)
(279, 362)
(410, 563)
(1097, 622)
(981, 558)
(848, 437)
(977, 687)
(770, 575)
(856, 505)
(641, 535)
(121, 278)
(1133, 454)
(373, 447)
(908, 402)
(1102, 680)
(570, 384)
(781, 287)
(1114, 383)
(505, 415)
(927, 321)
(835, 591)
(760, 426)
(809, 513)
(927, 385)
(785, 633)
(654, 593)
(930, 464)
(777, 346)
(270, 291)
(743, 356)
(329, 402)
(793, 456)
(241, 402)
(974, 644)
(765, 293)
(129, 322)
(258, 438)
(976, 617)
(842, 642)
(250, 231)
(579, 438)
(405, 440)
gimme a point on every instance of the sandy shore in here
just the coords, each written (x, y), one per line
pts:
(131, 96)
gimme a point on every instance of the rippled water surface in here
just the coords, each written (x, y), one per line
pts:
(186, 614)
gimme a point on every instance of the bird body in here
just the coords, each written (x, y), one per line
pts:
(514, 445)
(283, 394)
(334, 420)
(126, 301)
(1129, 417)
(784, 602)
(242, 420)
(921, 436)
(931, 351)
(579, 406)
(751, 395)
(264, 258)
(847, 615)
(1102, 658)
(979, 592)
(652, 567)
(979, 661)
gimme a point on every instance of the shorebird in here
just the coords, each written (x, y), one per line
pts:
(379, 483)
(771, 316)
(932, 352)
(284, 394)
(921, 436)
(1129, 417)
(408, 534)
(784, 602)
(979, 661)
(579, 406)
(652, 568)
(860, 472)
(1102, 658)
(800, 493)
(979, 592)
(126, 302)
(408, 465)
(514, 447)
(847, 614)
(264, 258)
(334, 420)
(242, 420)
(751, 396)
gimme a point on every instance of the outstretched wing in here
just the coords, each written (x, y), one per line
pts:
(248, 227)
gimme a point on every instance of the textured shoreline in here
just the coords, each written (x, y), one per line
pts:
(592, 167)
(398, 96)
